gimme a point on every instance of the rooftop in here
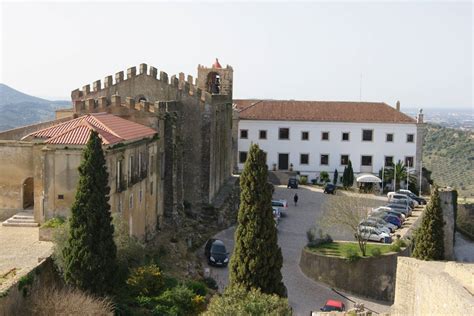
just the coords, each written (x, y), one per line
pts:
(111, 128)
(322, 111)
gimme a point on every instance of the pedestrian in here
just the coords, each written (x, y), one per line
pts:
(295, 198)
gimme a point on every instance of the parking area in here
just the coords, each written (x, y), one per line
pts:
(304, 294)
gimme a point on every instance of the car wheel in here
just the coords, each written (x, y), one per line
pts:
(381, 240)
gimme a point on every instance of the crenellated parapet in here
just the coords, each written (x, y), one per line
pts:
(156, 84)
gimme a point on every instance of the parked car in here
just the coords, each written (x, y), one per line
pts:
(382, 222)
(333, 305)
(389, 210)
(281, 204)
(389, 218)
(330, 188)
(292, 183)
(374, 234)
(276, 214)
(419, 199)
(366, 224)
(216, 253)
(400, 207)
(392, 196)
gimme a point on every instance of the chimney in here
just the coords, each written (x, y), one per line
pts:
(419, 118)
(398, 106)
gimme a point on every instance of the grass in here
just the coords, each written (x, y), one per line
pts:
(53, 222)
(340, 249)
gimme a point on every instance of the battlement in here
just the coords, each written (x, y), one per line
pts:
(184, 83)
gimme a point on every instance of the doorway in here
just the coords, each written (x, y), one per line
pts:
(28, 193)
(283, 161)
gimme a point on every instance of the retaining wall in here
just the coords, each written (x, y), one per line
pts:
(372, 277)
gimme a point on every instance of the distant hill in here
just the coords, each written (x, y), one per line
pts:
(449, 154)
(19, 109)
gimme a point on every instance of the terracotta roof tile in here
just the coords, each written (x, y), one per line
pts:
(112, 129)
(324, 111)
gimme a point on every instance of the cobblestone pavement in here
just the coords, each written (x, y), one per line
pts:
(304, 294)
(20, 249)
(463, 249)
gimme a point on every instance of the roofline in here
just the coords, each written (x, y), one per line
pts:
(327, 121)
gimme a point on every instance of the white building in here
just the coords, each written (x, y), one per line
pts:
(313, 136)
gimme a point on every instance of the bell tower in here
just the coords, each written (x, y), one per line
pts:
(215, 79)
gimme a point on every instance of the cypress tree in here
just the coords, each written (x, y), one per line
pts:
(257, 259)
(345, 178)
(350, 175)
(429, 239)
(90, 253)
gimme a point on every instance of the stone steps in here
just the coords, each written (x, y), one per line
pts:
(21, 220)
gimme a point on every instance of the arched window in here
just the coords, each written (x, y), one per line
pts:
(213, 83)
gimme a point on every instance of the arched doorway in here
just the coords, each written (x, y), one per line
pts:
(213, 83)
(28, 193)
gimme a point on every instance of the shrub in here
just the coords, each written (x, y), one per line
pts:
(240, 301)
(376, 252)
(198, 287)
(60, 236)
(324, 176)
(351, 255)
(51, 301)
(146, 281)
(175, 301)
(211, 283)
(398, 245)
(316, 237)
(130, 252)
(303, 180)
(53, 222)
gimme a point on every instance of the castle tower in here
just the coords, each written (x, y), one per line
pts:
(216, 80)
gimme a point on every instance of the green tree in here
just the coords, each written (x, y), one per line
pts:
(429, 239)
(257, 258)
(90, 253)
(240, 301)
(348, 176)
(398, 172)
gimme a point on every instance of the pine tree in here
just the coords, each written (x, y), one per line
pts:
(429, 239)
(257, 259)
(345, 179)
(350, 175)
(90, 253)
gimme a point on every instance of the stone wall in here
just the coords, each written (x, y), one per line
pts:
(447, 197)
(372, 277)
(433, 288)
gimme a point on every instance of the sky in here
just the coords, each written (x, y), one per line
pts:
(420, 53)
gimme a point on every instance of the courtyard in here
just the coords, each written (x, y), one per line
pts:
(304, 294)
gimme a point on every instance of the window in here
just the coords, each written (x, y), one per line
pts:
(410, 138)
(118, 174)
(151, 188)
(284, 133)
(324, 160)
(140, 161)
(130, 169)
(409, 161)
(325, 136)
(140, 196)
(244, 134)
(304, 159)
(304, 135)
(367, 135)
(388, 161)
(345, 136)
(366, 161)
(242, 156)
(60, 196)
(152, 164)
(130, 201)
(262, 134)
(344, 160)
(389, 138)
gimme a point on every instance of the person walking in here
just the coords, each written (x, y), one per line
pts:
(295, 199)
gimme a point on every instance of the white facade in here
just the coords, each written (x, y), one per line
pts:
(379, 148)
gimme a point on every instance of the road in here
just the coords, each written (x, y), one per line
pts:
(304, 294)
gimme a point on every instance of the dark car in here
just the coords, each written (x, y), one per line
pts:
(330, 189)
(292, 183)
(333, 305)
(412, 195)
(216, 253)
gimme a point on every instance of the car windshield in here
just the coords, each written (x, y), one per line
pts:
(218, 249)
(329, 308)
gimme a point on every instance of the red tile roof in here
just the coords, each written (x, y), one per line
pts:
(323, 111)
(112, 129)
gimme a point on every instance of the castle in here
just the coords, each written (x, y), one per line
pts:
(186, 161)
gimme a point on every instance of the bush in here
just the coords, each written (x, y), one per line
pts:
(239, 301)
(398, 245)
(53, 222)
(351, 255)
(324, 177)
(316, 237)
(198, 287)
(376, 252)
(176, 301)
(303, 180)
(51, 301)
(211, 283)
(60, 236)
(146, 281)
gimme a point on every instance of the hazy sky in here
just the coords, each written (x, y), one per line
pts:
(419, 53)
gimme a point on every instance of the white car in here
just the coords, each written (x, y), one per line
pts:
(398, 196)
(276, 212)
(373, 234)
(282, 204)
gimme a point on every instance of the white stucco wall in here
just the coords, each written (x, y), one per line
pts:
(335, 147)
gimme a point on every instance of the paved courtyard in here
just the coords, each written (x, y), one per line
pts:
(304, 294)
(20, 250)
